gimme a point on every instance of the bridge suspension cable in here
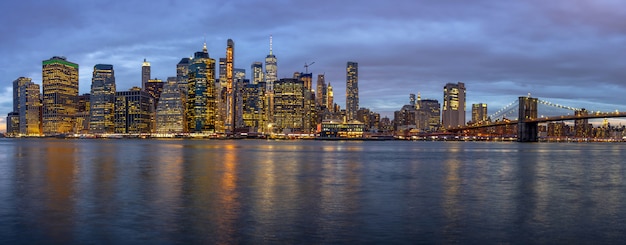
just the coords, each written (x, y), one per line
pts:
(548, 103)
(509, 110)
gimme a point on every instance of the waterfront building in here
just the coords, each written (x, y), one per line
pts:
(201, 104)
(170, 110)
(582, 127)
(18, 84)
(257, 72)
(60, 95)
(134, 111)
(102, 100)
(352, 89)
(330, 98)
(271, 68)
(231, 108)
(479, 113)
(370, 119)
(29, 109)
(254, 107)
(453, 114)
(339, 129)
(145, 74)
(83, 113)
(404, 119)
(13, 124)
(428, 115)
(289, 106)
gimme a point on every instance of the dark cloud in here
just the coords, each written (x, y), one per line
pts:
(565, 50)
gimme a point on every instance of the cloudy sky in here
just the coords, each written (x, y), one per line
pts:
(570, 52)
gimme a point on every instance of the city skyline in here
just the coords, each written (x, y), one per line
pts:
(562, 50)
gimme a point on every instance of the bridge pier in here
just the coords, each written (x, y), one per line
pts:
(527, 129)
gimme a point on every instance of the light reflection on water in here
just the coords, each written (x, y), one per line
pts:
(197, 191)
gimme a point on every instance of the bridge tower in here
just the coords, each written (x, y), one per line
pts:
(527, 129)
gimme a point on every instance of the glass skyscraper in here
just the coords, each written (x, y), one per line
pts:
(170, 109)
(453, 114)
(271, 69)
(352, 90)
(201, 95)
(102, 100)
(60, 95)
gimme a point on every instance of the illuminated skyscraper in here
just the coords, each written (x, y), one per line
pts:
(60, 95)
(201, 95)
(479, 113)
(134, 111)
(83, 113)
(271, 68)
(453, 105)
(182, 70)
(28, 107)
(352, 90)
(145, 74)
(170, 110)
(428, 114)
(321, 91)
(289, 106)
(330, 102)
(254, 107)
(231, 108)
(102, 100)
(154, 87)
(18, 84)
(257, 72)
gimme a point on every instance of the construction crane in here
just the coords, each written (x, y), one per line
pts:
(306, 66)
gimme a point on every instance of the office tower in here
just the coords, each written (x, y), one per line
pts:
(170, 110)
(182, 70)
(238, 86)
(83, 113)
(257, 72)
(271, 68)
(230, 92)
(134, 111)
(29, 109)
(145, 74)
(307, 78)
(428, 114)
(13, 124)
(404, 119)
(453, 105)
(412, 100)
(479, 113)
(60, 95)
(321, 91)
(330, 98)
(582, 128)
(102, 100)
(254, 107)
(154, 87)
(289, 106)
(352, 90)
(201, 104)
(18, 84)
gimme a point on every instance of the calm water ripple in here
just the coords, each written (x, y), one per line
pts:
(309, 192)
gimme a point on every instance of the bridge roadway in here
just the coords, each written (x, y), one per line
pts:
(543, 120)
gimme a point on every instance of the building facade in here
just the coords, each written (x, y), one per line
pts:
(60, 95)
(145, 74)
(102, 100)
(170, 110)
(479, 113)
(257, 72)
(134, 112)
(201, 104)
(271, 68)
(30, 110)
(453, 114)
(352, 89)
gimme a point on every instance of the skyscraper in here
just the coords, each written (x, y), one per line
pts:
(182, 71)
(271, 68)
(18, 84)
(170, 109)
(60, 95)
(134, 111)
(102, 100)
(453, 114)
(479, 113)
(321, 93)
(231, 109)
(289, 105)
(145, 74)
(330, 98)
(257, 72)
(29, 108)
(201, 93)
(352, 90)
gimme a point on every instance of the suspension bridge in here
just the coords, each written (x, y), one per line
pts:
(523, 113)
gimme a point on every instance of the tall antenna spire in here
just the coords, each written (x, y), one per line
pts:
(270, 44)
(204, 46)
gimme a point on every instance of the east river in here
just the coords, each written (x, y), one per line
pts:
(131, 191)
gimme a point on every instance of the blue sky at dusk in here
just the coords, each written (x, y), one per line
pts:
(570, 52)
